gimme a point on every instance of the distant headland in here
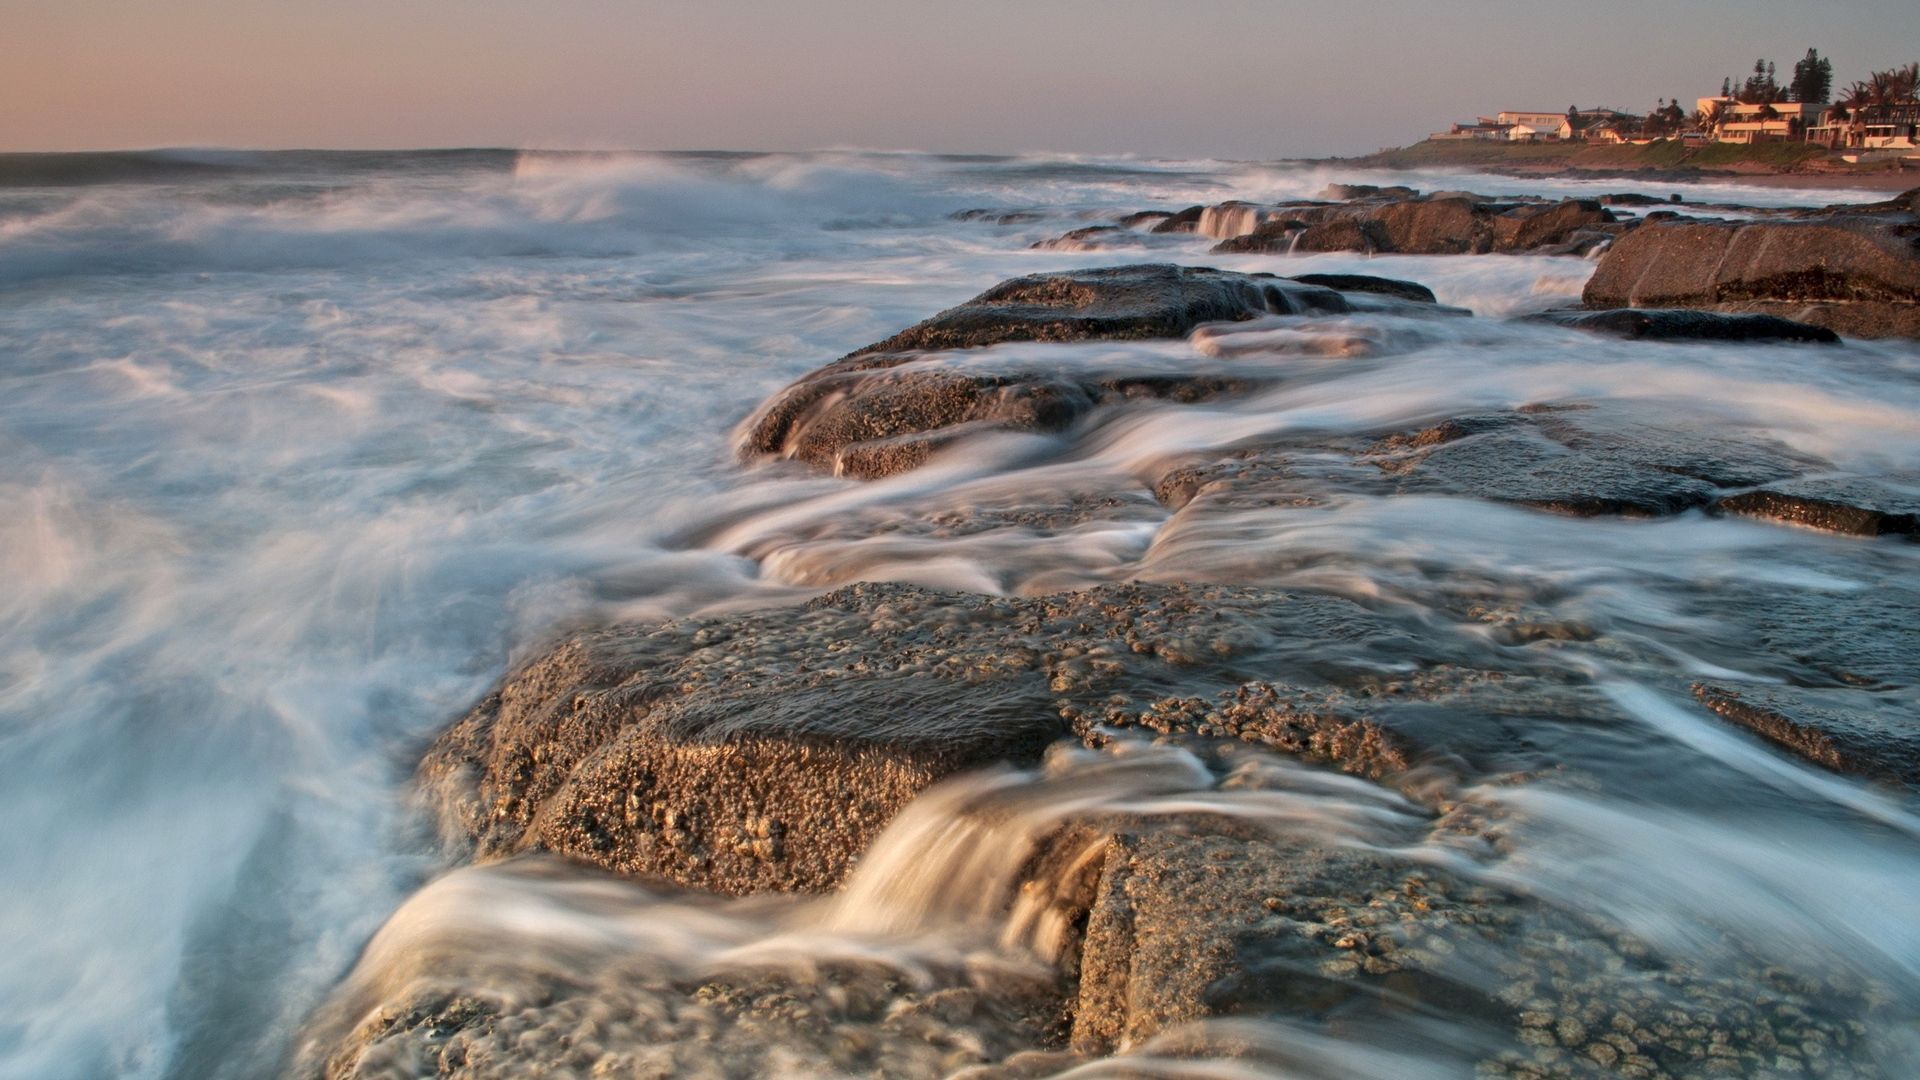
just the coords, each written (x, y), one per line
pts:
(1758, 131)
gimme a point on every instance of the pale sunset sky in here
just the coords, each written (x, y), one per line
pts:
(1220, 78)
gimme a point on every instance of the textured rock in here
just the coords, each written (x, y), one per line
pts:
(999, 217)
(1348, 192)
(1442, 226)
(483, 988)
(1580, 461)
(873, 412)
(1850, 731)
(1185, 927)
(1090, 238)
(1367, 283)
(766, 751)
(1854, 318)
(1184, 221)
(1154, 300)
(1528, 228)
(1855, 506)
(1813, 270)
(1681, 324)
(1821, 638)
(1435, 225)
(1216, 922)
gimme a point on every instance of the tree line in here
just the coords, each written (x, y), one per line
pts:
(1812, 83)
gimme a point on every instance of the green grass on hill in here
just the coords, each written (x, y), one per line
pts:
(1660, 155)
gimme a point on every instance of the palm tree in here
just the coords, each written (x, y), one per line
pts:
(1903, 84)
(1710, 117)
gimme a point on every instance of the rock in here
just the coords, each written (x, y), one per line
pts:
(1366, 283)
(1185, 221)
(1091, 238)
(1814, 270)
(1907, 202)
(1528, 228)
(477, 977)
(1347, 234)
(1231, 218)
(1580, 461)
(1450, 226)
(999, 217)
(871, 413)
(1846, 730)
(1348, 192)
(1186, 927)
(1255, 477)
(1842, 637)
(1145, 219)
(1681, 324)
(1630, 198)
(1209, 921)
(1854, 318)
(1153, 300)
(1855, 506)
(1436, 225)
(764, 752)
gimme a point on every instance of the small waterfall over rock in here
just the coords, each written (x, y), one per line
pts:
(1228, 220)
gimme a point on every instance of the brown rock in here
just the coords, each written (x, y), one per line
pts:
(876, 396)
(1848, 731)
(1818, 267)
(1857, 507)
(766, 751)
(1530, 227)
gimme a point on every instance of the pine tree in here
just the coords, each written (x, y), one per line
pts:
(1760, 87)
(1813, 78)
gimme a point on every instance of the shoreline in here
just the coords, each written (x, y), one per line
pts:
(1784, 166)
(1880, 180)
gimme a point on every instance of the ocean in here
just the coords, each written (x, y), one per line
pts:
(300, 452)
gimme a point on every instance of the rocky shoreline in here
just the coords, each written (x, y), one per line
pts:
(771, 753)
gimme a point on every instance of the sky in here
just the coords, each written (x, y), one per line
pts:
(1163, 78)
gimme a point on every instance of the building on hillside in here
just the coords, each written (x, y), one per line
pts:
(1890, 127)
(1869, 127)
(1535, 120)
(1516, 125)
(1541, 132)
(1744, 123)
(1486, 132)
(1603, 132)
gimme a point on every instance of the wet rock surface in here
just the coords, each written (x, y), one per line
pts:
(1875, 735)
(1440, 224)
(1207, 924)
(1570, 459)
(877, 412)
(1857, 506)
(1857, 274)
(1367, 283)
(654, 996)
(1679, 324)
(1579, 461)
(765, 752)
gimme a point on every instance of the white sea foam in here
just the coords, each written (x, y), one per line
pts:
(295, 460)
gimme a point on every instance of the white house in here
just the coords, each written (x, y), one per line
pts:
(1744, 123)
(1541, 132)
(1536, 120)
